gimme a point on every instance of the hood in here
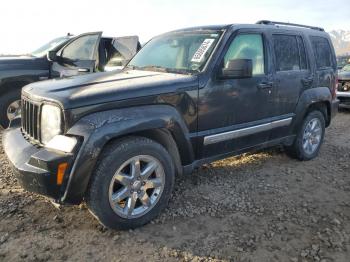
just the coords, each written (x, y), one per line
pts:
(22, 62)
(98, 88)
(344, 75)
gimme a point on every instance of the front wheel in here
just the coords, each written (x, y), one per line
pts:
(309, 138)
(131, 184)
(10, 107)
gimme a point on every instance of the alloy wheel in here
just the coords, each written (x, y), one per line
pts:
(14, 110)
(136, 186)
(312, 136)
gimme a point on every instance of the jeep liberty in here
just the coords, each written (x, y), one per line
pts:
(188, 97)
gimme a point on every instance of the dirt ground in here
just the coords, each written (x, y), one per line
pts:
(256, 207)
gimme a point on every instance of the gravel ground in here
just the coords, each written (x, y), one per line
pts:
(256, 207)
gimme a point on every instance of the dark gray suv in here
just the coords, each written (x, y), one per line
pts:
(188, 97)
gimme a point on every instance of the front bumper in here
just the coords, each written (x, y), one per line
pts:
(344, 98)
(35, 167)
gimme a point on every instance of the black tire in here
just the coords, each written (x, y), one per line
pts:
(296, 150)
(5, 101)
(112, 157)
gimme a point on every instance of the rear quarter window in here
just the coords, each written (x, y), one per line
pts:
(322, 51)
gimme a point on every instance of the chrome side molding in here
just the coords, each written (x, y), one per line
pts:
(212, 139)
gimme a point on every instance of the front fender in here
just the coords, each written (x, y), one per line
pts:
(12, 79)
(307, 99)
(98, 129)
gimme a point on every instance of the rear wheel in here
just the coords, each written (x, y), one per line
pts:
(10, 107)
(309, 138)
(132, 183)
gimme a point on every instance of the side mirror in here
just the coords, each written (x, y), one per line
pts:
(52, 56)
(238, 68)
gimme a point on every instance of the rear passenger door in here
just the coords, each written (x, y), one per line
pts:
(292, 75)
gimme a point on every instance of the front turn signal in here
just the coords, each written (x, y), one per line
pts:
(61, 170)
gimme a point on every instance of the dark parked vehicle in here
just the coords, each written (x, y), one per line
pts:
(343, 61)
(187, 98)
(343, 93)
(62, 57)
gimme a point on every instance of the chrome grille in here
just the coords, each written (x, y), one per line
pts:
(31, 120)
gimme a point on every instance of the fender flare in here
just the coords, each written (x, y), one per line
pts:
(97, 129)
(307, 99)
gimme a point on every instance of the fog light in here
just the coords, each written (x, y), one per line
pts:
(61, 170)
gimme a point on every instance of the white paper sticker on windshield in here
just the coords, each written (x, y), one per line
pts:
(202, 50)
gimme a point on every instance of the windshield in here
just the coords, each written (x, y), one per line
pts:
(49, 46)
(185, 52)
(346, 68)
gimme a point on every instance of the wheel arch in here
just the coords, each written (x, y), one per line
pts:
(164, 137)
(9, 92)
(324, 107)
(318, 98)
(161, 136)
(161, 123)
(15, 84)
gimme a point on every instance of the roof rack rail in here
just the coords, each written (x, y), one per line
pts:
(267, 22)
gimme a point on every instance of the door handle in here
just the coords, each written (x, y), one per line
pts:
(265, 85)
(83, 70)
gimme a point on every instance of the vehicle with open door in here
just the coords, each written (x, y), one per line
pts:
(62, 57)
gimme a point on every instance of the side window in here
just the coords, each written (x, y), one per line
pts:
(302, 53)
(116, 59)
(322, 52)
(81, 49)
(286, 52)
(247, 46)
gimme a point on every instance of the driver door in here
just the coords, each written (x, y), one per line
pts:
(78, 56)
(235, 114)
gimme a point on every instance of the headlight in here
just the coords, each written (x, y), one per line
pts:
(51, 122)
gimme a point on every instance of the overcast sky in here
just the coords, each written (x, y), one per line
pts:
(25, 25)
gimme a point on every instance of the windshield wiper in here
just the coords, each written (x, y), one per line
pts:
(153, 68)
(131, 67)
(182, 71)
(162, 69)
(150, 68)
